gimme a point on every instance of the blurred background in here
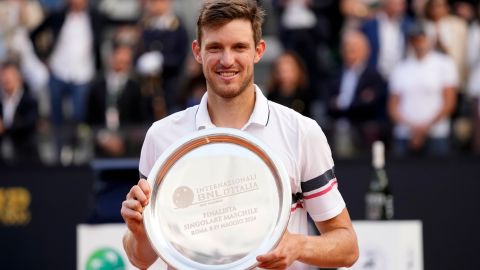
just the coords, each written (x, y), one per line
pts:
(81, 82)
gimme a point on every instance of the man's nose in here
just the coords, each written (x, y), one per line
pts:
(227, 59)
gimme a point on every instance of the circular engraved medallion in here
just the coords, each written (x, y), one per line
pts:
(219, 199)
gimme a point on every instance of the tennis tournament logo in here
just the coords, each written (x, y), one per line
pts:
(185, 196)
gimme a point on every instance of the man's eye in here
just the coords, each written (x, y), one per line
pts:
(213, 49)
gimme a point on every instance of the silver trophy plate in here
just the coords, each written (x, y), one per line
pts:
(219, 199)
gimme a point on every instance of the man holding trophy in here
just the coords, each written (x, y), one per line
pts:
(228, 46)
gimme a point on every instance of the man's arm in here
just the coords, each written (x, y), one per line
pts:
(135, 241)
(335, 247)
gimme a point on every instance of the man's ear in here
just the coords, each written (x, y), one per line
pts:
(196, 48)
(259, 50)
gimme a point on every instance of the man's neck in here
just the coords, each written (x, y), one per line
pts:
(231, 113)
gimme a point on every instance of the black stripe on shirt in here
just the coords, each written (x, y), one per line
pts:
(318, 181)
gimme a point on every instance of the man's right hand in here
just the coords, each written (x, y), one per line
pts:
(132, 208)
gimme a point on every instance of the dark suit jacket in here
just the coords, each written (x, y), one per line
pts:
(371, 29)
(22, 132)
(360, 109)
(54, 23)
(133, 107)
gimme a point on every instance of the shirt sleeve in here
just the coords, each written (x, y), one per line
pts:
(320, 193)
(147, 155)
(395, 81)
(449, 73)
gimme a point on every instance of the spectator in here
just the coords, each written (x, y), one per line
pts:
(289, 84)
(162, 51)
(302, 28)
(73, 56)
(357, 94)
(473, 39)
(17, 17)
(386, 36)
(18, 117)
(117, 109)
(194, 86)
(423, 97)
(447, 33)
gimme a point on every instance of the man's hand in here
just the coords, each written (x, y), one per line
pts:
(133, 206)
(419, 136)
(135, 241)
(284, 254)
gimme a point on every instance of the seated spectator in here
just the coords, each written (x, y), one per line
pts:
(289, 84)
(18, 117)
(194, 85)
(357, 94)
(423, 94)
(117, 110)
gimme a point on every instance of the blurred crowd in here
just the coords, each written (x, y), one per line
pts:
(84, 79)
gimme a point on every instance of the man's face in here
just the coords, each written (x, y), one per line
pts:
(420, 44)
(158, 7)
(354, 50)
(122, 59)
(228, 54)
(78, 4)
(10, 80)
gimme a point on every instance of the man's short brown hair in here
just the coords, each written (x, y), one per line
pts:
(216, 13)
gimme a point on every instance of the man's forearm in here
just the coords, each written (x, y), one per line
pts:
(337, 248)
(139, 251)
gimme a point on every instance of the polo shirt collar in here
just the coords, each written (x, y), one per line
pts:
(259, 116)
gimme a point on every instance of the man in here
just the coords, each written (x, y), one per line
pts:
(117, 108)
(229, 44)
(422, 98)
(18, 117)
(386, 36)
(163, 50)
(357, 92)
(72, 57)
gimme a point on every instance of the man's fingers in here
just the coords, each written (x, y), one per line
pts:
(145, 187)
(136, 193)
(130, 214)
(277, 263)
(266, 257)
(133, 204)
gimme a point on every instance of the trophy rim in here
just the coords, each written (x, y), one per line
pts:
(185, 145)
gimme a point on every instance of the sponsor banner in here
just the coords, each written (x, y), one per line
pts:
(389, 245)
(100, 247)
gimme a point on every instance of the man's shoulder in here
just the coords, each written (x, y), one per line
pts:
(175, 122)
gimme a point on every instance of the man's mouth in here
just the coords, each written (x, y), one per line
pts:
(227, 74)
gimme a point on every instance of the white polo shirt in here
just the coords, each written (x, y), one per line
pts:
(298, 141)
(420, 85)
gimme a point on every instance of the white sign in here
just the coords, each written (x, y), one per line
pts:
(101, 247)
(389, 245)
